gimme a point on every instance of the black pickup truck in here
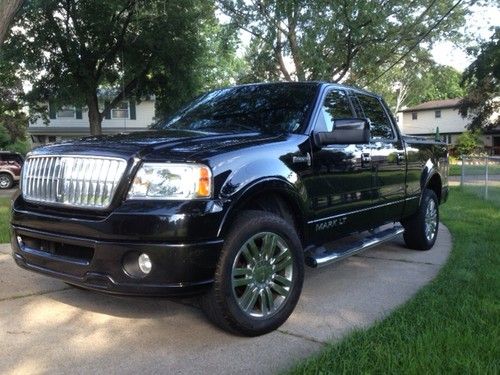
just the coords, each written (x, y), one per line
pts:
(232, 196)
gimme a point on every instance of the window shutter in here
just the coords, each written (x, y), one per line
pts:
(133, 115)
(52, 110)
(78, 113)
(107, 113)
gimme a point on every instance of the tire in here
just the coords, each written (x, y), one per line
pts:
(422, 228)
(259, 275)
(6, 181)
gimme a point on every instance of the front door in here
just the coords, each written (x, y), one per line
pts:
(340, 187)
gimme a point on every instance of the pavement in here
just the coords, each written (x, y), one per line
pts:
(7, 193)
(48, 327)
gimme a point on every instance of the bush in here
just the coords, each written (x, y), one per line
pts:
(468, 143)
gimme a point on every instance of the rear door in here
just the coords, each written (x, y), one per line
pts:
(387, 159)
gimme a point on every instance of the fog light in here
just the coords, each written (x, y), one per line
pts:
(19, 240)
(145, 264)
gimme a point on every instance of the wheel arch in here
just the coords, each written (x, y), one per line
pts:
(434, 182)
(272, 189)
(5, 171)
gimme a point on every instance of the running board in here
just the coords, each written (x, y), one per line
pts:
(321, 256)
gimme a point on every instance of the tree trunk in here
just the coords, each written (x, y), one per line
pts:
(95, 117)
(8, 9)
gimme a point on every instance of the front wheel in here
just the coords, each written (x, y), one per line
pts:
(259, 275)
(422, 228)
(6, 181)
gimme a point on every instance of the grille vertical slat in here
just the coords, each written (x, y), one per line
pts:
(77, 181)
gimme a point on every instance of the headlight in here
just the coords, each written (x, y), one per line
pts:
(171, 181)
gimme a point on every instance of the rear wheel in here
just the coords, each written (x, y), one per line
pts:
(6, 181)
(259, 275)
(422, 228)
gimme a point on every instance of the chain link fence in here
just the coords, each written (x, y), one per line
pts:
(481, 176)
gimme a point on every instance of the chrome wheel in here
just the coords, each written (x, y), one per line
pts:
(262, 275)
(4, 182)
(430, 220)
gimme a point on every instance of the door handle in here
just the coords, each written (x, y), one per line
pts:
(302, 159)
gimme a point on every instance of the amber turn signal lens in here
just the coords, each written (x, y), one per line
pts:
(204, 182)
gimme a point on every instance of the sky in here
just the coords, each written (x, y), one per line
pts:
(479, 23)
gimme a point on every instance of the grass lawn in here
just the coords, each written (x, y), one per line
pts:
(4, 220)
(452, 325)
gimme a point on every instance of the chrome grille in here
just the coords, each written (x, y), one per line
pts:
(76, 181)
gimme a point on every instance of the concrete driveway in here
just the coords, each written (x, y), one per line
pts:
(7, 193)
(47, 327)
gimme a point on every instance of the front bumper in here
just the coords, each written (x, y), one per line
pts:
(177, 268)
(94, 252)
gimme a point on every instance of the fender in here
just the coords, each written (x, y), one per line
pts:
(261, 176)
(428, 172)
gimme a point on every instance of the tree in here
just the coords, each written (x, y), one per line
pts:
(74, 52)
(328, 40)
(415, 80)
(13, 120)
(483, 79)
(8, 9)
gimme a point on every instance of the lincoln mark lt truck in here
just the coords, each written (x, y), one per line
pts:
(230, 198)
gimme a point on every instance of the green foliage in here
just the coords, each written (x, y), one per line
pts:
(483, 79)
(12, 118)
(468, 143)
(416, 80)
(5, 138)
(330, 40)
(21, 147)
(75, 51)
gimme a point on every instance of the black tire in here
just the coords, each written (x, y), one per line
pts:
(220, 303)
(416, 235)
(6, 181)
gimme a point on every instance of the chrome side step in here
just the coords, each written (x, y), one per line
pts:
(320, 256)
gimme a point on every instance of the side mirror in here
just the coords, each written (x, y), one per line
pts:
(345, 132)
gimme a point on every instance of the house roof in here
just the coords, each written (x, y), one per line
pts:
(434, 104)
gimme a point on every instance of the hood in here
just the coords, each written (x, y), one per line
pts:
(158, 144)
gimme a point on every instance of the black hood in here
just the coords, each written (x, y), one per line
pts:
(161, 144)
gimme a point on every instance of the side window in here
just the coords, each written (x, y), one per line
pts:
(335, 106)
(381, 127)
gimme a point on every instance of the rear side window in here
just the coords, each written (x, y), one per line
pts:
(381, 127)
(7, 157)
(335, 106)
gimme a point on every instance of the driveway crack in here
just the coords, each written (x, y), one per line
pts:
(34, 294)
(308, 338)
(397, 260)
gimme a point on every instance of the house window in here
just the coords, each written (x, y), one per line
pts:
(121, 110)
(414, 115)
(66, 112)
(437, 114)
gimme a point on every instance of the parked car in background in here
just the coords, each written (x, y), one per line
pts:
(10, 168)
(231, 196)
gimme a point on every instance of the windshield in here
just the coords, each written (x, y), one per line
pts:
(263, 108)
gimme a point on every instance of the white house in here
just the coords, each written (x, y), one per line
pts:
(425, 118)
(72, 122)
